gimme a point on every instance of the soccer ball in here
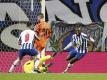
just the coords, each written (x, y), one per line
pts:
(28, 66)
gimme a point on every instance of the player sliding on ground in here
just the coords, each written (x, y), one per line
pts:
(42, 68)
(78, 43)
(26, 42)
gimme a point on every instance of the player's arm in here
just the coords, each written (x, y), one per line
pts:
(68, 46)
(88, 37)
(71, 44)
(36, 27)
(37, 37)
(19, 40)
(49, 31)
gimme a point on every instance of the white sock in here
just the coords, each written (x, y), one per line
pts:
(68, 66)
(37, 61)
(15, 63)
(37, 64)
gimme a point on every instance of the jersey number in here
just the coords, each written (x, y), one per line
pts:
(26, 37)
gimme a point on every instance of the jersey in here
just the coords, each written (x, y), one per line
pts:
(43, 29)
(81, 42)
(26, 39)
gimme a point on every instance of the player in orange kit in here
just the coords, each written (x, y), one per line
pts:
(42, 29)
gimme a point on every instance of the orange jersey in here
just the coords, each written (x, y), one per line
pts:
(43, 29)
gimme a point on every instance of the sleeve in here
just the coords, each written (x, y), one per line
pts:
(70, 44)
(89, 38)
(19, 40)
(49, 31)
(36, 36)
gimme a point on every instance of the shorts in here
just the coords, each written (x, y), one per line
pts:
(30, 52)
(76, 54)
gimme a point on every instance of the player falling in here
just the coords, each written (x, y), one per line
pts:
(29, 65)
(26, 42)
(78, 43)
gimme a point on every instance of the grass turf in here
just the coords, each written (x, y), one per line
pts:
(53, 76)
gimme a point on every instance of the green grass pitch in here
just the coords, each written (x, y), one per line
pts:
(53, 76)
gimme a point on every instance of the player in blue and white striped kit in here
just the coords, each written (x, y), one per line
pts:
(26, 42)
(78, 43)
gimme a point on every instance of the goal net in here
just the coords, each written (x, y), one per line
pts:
(14, 16)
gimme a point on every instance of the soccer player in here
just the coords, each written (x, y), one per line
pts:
(26, 42)
(29, 65)
(42, 29)
(78, 43)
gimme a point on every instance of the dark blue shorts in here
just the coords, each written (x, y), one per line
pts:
(30, 52)
(76, 54)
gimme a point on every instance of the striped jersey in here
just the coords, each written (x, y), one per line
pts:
(81, 42)
(26, 39)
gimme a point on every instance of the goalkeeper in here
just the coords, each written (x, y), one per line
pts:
(42, 29)
(29, 65)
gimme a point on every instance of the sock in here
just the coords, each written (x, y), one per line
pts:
(15, 63)
(68, 66)
(37, 61)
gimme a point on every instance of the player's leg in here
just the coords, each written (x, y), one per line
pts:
(77, 57)
(44, 59)
(37, 60)
(37, 54)
(70, 56)
(29, 65)
(43, 52)
(44, 67)
(17, 61)
(33, 53)
(70, 64)
(39, 64)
